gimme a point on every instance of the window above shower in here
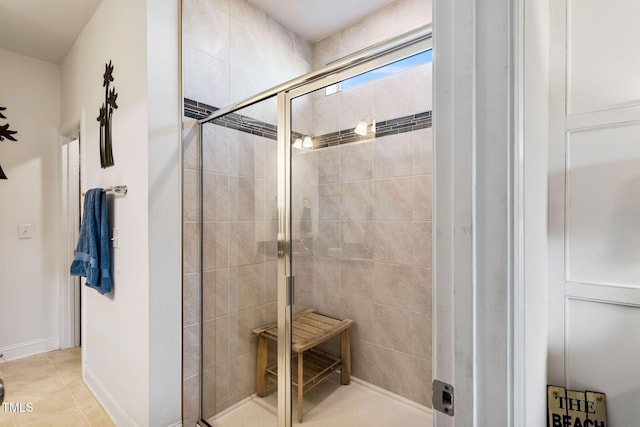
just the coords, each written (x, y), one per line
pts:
(384, 71)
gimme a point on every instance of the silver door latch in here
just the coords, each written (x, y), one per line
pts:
(443, 397)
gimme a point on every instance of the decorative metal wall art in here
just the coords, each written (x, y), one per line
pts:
(5, 133)
(106, 111)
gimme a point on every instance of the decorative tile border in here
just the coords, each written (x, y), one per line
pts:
(387, 127)
(198, 110)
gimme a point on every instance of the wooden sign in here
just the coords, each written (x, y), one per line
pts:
(570, 408)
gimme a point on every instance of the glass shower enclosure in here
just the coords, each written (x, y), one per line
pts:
(295, 241)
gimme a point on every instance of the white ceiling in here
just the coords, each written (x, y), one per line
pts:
(43, 29)
(315, 19)
(46, 29)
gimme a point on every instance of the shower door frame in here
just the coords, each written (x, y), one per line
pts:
(405, 45)
(288, 289)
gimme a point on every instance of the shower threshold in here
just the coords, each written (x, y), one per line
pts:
(330, 404)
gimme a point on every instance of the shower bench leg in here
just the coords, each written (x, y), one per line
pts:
(300, 385)
(261, 367)
(345, 354)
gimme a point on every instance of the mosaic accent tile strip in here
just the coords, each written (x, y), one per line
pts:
(384, 128)
(199, 110)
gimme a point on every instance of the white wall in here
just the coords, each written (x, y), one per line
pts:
(594, 281)
(165, 212)
(122, 347)
(531, 324)
(115, 327)
(30, 90)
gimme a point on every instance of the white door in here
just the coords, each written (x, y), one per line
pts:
(71, 205)
(360, 221)
(594, 260)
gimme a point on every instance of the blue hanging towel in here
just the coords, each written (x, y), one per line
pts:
(92, 259)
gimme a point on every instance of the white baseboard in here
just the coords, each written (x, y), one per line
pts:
(117, 413)
(29, 348)
(178, 424)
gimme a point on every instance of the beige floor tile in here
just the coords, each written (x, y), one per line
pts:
(98, 418)
(68, 375)
(53, 384)
(68, 417)
(34, 366)
(61, 356)
(6, 419)
(67, 364)
(28, 390)
(88, 404)
(81, 393)
(47, 405)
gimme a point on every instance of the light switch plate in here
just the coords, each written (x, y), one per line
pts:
(115, 241)
(25, 231)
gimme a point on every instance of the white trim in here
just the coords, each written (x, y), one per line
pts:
(622, 295)
(530, 334)
(117, 413)
(65, 324)
(447, 17)
(603, 118)
(518, 381)
(485, 176)
(67, 284)
(557, 180)
(29, 348)
(72, 129)
(83, 180)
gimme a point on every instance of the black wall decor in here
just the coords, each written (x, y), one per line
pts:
(106, 111)
(5, 133)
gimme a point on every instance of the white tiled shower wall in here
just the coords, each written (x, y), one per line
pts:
(371, 258)
(378, 26)
(368, 254)
(231, 50)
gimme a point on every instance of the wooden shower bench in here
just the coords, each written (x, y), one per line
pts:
(309, 329)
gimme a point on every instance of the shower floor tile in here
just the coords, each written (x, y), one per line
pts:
(333, 405)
